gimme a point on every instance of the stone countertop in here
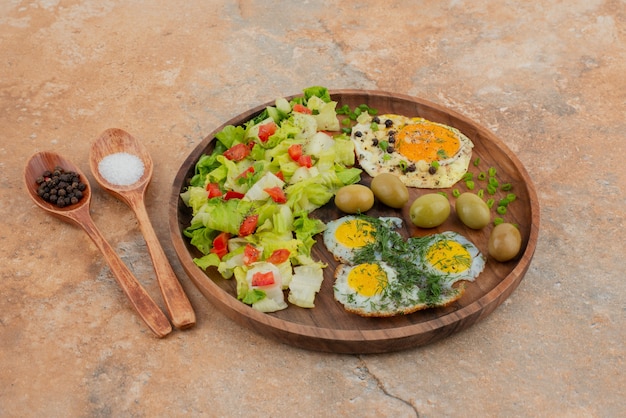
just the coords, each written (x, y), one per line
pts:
(546, 77)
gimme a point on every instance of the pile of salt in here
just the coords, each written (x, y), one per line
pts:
(121, 168)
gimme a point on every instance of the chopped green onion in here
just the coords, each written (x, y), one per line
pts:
(469, 184)
(346, 130)
(346, 121)
(503, 202)
(363, 106)
(492, 172)
(493, 182)
(476, 161)
(491, 189)
(501, 210)
(482, 175)
(468, 176)
(497, 221)
(435, 164)
(481, 193)
(490, 203)
(443, 194)
(372, 111)
(374, 126)
(456, 193)
(357, 111)
(511, 197)
(507, 186)
(383, 145)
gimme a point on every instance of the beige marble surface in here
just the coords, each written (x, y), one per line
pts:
(547, 77)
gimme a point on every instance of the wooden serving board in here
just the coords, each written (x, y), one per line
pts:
(327, 327)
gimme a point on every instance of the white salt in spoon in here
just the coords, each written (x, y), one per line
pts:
(123, 167)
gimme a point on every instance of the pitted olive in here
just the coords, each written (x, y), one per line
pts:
(354, 198)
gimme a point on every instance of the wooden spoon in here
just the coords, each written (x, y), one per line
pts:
(79, 214)
(114, 141)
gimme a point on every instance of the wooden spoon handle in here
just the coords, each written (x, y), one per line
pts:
(145, 306)
(178, 305)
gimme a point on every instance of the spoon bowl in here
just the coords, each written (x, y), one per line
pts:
(79, 214)
(114, 141)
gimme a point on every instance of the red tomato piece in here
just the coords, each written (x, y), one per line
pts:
(279, 256)
(302, 109)
(220, 244)
(295, 151)
(248, 226)
(250, 254)
(233, 195)
(249, 170)
(237, 152)
(277, 194)
(305, 161)
(263, 278)
(280, 175)
(214, 190)
(267, 130)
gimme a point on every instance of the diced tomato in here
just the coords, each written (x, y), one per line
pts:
(267, 130)
(220, 244)
(302, 109)
(279, 256)
(250, 254)
(233, 195)
(214, 190)
(280, 175)
(237, 152)
(249, 170)
(263, 278)
(295, 151)
(277, 194)
(305, 161)
(248, 225)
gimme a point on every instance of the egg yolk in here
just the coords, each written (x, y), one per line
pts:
(367, 279)
(426, 141)
(355, 233)
(449, 257)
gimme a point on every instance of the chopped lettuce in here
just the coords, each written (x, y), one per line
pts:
(279, 226)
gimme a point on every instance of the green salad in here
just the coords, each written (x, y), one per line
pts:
(252, 196)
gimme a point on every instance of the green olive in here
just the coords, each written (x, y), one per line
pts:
(430, 210)
(472, 211)
(505, 242)
(390, 190)
(354, 198)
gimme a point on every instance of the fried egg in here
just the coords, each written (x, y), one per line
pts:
(374, 289)
(344, 236)
(450, 256)
(385, 275)
(421, 153)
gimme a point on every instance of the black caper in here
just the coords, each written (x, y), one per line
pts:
(375, 142)
(411, 168)
(432, 169)
(390, 149)
(358, 134)
(388, 123)
(376, 119)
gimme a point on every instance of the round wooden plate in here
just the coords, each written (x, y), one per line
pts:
(327, 327)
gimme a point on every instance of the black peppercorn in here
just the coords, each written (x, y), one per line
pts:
(60, 187)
